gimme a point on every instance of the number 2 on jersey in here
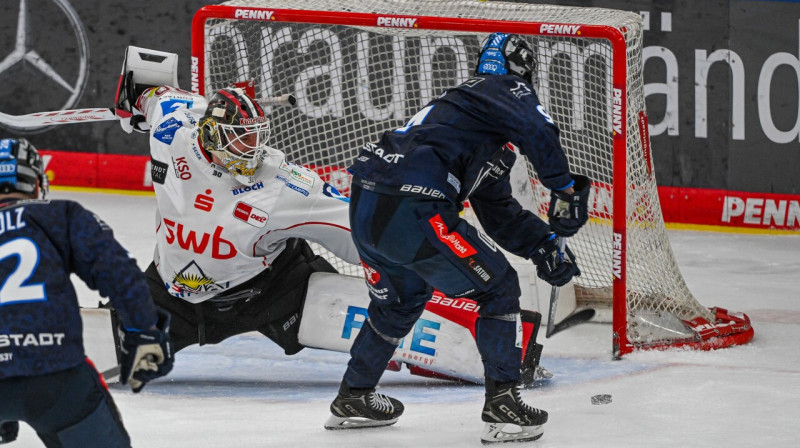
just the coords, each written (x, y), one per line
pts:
(13, 288)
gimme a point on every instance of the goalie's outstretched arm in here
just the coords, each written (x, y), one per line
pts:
(142, 68)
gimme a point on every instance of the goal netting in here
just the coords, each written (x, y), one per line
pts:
(360, 67)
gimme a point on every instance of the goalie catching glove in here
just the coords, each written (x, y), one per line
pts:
(142, 69)
(131, 118)
(568, 212)
(552, 265)
(146, 355)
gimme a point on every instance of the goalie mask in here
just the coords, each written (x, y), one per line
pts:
(506, 54)
(235, 129)
(21, 167)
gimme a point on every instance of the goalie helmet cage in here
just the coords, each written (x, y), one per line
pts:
(361, 67)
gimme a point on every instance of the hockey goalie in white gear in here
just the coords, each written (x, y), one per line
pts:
(232, 226)
(227, 202)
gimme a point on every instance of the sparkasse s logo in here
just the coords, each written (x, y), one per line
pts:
(31, 61)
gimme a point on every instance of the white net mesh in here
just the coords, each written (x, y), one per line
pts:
(354, 82)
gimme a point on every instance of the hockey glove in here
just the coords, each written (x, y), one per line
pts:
(130, 118)
(553, 266)
(146, 355)
(569, 212)
(8, 432)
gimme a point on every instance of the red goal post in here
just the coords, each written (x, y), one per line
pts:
(364, 66)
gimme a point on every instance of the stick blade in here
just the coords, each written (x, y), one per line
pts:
(573, 319)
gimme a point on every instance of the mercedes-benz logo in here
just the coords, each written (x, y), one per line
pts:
(24, 52)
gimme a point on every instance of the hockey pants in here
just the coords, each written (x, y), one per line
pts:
(273, 309)
(71, 408)
(410, 245)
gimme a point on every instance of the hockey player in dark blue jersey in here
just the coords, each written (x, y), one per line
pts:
(46, 380)
(404, 211)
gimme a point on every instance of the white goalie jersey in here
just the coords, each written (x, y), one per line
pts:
(214, 233)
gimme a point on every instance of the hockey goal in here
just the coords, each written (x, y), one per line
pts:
(360, 67)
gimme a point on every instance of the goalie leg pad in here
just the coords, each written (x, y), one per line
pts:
(441, 343)
(532, 372)
(287, 295)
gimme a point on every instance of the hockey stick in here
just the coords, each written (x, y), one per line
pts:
(283, 100)
(551, 315)
(70, 116)
(574, 318)
(38, 119)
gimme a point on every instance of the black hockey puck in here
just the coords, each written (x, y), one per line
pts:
(601, 399)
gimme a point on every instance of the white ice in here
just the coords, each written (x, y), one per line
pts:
(245, 393)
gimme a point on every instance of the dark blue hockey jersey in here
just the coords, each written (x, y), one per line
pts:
(41, 243)
(453, 143)
(454, 148)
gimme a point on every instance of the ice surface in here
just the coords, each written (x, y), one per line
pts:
(245, 393)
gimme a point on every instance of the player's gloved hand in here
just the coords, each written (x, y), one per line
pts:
(8, 432)
(569, 212)
(552, 265)
(146, 355)
(130, 118)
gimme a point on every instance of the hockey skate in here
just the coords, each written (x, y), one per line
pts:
(362, 408)
(504, 407)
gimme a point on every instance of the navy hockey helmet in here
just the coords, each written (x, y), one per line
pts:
(235, 129)
(21, 167)
(506, 54)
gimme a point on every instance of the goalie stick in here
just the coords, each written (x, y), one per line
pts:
(70, 116)
(578, 317)
(574, 318)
